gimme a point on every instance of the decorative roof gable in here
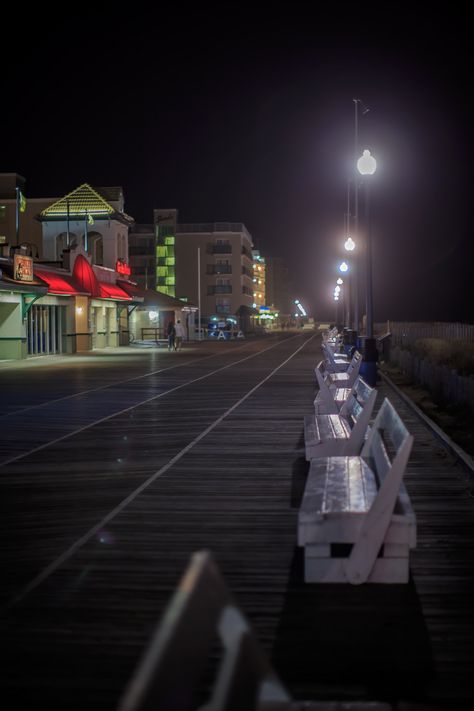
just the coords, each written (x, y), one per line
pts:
(82, 201)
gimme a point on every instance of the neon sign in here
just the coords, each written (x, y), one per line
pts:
(123, 268)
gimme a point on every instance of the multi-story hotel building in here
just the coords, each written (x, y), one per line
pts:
(210, 264)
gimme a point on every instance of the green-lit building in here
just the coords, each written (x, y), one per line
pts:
(166, 255)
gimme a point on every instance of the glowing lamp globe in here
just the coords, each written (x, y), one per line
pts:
(349, 244)
(366, 165)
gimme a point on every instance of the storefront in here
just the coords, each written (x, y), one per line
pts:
(54, 322)
(150, 312)
(17, 298)
(106, 303)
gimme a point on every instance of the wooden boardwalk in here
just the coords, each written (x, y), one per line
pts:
(106, 494)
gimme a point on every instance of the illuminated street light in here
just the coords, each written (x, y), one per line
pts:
(349, 244)
(367, 165)
(343, 267)
(340, 281)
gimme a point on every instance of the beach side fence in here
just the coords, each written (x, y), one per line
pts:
(405, 333)
(441, 381)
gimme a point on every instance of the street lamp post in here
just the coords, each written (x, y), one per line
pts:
(365, 110)
(349, 246)
(366, 165)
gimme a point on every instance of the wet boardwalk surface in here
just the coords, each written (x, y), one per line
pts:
(145, 457)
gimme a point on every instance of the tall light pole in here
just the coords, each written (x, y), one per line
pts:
(344, 269)
(349, 246)
(367, 165)
(365, 110)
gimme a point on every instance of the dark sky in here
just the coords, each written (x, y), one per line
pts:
(232, 115)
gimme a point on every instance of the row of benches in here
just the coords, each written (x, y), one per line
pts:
(356, 525)
(356, 522)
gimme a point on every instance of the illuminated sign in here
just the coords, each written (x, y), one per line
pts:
(22, 268)
(123, 268)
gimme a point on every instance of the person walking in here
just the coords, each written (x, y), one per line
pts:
(171, 335)
(180, 334)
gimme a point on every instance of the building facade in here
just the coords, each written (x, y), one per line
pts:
(210, 264)
(259, 280)
(223, 253)
(142, 255)
(80, 295)
(278, 285)
(18, 223)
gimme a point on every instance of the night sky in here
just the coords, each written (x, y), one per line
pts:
(232, 115)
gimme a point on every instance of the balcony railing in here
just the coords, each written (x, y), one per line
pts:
(219, 289)
(213, 227)
(219, 269)
(220, 249)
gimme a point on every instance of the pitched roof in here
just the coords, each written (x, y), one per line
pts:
(81, 201)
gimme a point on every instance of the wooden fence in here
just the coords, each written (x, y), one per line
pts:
(442, 382)
(405, 333)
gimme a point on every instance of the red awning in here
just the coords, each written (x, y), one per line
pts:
(86, 277)
(112, 291)
(62, 284)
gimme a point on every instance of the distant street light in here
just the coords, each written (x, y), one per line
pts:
(343, 267)
(349, 244)
(339, 281)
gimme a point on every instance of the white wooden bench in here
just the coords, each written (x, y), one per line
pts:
(356, 522)
(342, 433)
(335, 362)
(329, 401)
(346, 379)
(330, 336)
(171, 674)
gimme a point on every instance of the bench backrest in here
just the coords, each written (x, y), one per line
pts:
(388, 433)
(355, 361)
(324, 390)
(361, 399)
(329, 352)
(330, 335)
(387, 428)
(357, 411)
(172, 671)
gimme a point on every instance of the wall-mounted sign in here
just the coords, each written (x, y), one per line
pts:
(123, 268)
(22, 267)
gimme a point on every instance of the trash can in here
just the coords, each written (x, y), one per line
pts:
(370, 356)
(349, 340)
